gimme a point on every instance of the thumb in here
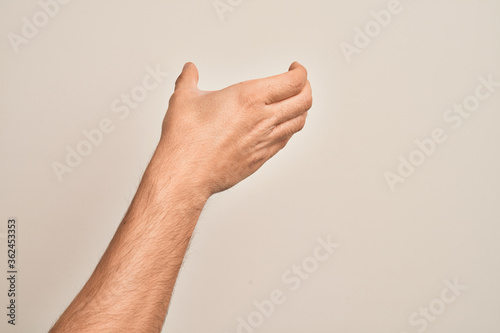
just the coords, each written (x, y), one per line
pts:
(188, 79)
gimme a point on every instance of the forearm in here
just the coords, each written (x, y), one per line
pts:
(131, 286)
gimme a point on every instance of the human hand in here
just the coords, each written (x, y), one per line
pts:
(214, 139)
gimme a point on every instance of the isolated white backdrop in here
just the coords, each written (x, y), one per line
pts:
(396, 247)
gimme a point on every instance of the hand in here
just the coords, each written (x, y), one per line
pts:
(214, 139)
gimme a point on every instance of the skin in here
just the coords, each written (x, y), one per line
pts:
(210, 141)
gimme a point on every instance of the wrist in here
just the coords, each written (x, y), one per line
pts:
(169, 176)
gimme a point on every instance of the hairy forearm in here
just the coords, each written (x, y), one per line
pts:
(131, 287)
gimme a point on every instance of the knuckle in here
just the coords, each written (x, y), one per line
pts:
(247, 98)
(302, 121)
(174, 99)
(178, 80)
(308, 101)
(257, 158)
(295, 82)
(178, 97)
(283, 143)
(263, 128)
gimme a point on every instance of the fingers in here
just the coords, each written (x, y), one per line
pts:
(292, 107)
(280, 87)
(188, 79)
(288, 128)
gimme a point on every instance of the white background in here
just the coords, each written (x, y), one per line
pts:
(397, 247)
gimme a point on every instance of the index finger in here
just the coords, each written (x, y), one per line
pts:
(282, 86)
